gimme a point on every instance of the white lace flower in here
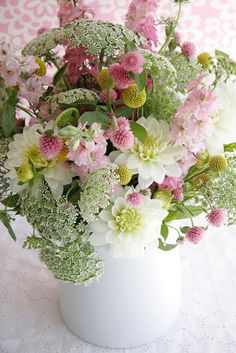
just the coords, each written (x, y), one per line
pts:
(154, 158)
(24, 158)
(225, 120)
(128, 230)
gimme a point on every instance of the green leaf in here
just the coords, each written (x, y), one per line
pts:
(8, 121)
(11, 201)
(230, 147)
(5, 219)
(178, 213)
(139, 131)
(166, 247)
(184, 230)
(95, 117)
(59, 74)
(69, 116)
(164, 231)
(131, 46)
(141, 80)
(221, 54)
(124, 111)
(34, 242)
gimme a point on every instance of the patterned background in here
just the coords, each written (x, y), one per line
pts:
(209, 23)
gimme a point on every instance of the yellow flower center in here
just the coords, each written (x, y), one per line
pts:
(35, 157)
(150, 148)
(25, 172)
(128, 220)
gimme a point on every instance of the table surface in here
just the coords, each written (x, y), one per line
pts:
(30, 320)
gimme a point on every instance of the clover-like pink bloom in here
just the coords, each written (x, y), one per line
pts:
(50, 146)
(189, 50)
(120, 76)
(195, 234)
(122, 139)
(217, 217)
(133, 62)
(135, 199)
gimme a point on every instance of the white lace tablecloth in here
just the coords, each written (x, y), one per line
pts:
(30, 320)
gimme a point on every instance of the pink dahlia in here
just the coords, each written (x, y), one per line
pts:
(135, 199)
(50, 146)
(133, 61)
(217, 217)
(120, 76)
(195, 234)
(189, 50)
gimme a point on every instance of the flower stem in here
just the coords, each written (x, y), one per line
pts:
(199, 173)
(168, 39)
(25, 110)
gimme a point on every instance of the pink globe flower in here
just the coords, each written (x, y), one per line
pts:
(195, 234)
(189, 50)
(122, 139)
(217, 217)
(135, 199)
(120, 76)
(133, 61)
(50, 146)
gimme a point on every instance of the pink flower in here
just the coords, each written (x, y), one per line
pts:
(173, 184)
(90, 154)
(122, 139)
(195, 234)
(141, 17)
(188, 161)
(135, 199)
(217, 217)
(113, 95)
(133, 61)
(120, 76)
(189, 50)
(68, 12)
(33, 88)
(50, 146)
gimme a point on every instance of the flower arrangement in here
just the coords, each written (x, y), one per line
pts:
(107, 136)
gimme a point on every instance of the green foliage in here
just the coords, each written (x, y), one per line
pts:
(60, 236)
(164, 231)
(141, 80)
(95, 117)
(69, 116)
(8, 100)
(6, 221)
(166, 247)
(139, 131)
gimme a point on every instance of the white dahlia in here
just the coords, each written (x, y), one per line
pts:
(125, 229)
(25, 163)
(224, 121)
(155, 158)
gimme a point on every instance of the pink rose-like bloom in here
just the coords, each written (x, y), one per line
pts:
(173, 184)
(113, 95)
(120, 76)
(188, 161)
(135, 199)
(133, 61)
(217, 217)
(195, 234)
(189, 50)
(50, 146)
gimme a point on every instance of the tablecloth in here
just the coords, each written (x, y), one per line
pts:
(30, 320)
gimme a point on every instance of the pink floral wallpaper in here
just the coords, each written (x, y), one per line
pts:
(209, 23)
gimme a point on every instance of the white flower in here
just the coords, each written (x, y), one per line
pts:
(154, 158)
(225, 120)
(24, 151)
(128, 230)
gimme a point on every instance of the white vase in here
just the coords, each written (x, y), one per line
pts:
(135, 302)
